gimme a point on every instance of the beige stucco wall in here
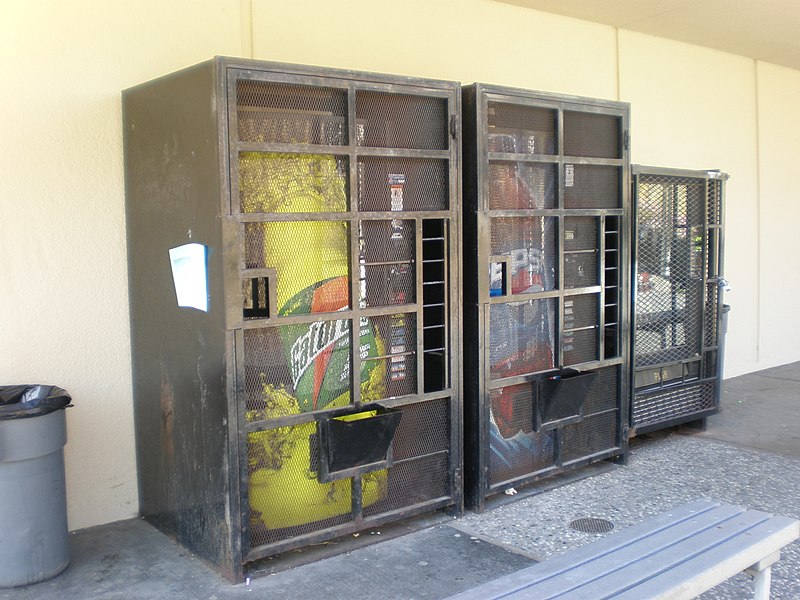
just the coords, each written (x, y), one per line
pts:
(696, 108)
(63, 284)
(778, 213)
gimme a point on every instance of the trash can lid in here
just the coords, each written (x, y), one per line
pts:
(31, 400)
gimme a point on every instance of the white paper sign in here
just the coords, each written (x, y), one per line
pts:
(190, 275)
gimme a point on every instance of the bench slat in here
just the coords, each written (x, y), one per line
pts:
(677, 554)
(556, 565)
(649, 556)
(715, 566)
(732, 535)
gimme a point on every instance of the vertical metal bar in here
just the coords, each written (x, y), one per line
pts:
(704, 299)
(761, 584)
(355, 232)
(240, 398)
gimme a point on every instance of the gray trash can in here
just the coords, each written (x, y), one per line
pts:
(34, 540)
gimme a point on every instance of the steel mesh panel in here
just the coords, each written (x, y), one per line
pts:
(275, 182)
(592, 186)
(711, 364)
(285, 498)
(589, 436)
(669, 300)
(530, 244)
(290, 114)
(311, 259)
(521, 337)
(711, 315)
(402, 184)
(580, 233)
(521, 129)
(581, 269)
(511, 409)
(604, 393)
(521, 185)
(414, 482)
(714, 202)
(581, 311)
(515, 450)
(424, 429)
(580, 346)
(672, 404)
(387, 262)
(299, 368)
(592, 135)
(401, 121)
(394, 371)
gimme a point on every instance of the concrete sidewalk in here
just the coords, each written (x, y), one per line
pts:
(749, 455)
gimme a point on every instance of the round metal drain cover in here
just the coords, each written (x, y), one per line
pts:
(592, 525)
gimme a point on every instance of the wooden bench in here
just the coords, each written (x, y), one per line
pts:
(678, 554)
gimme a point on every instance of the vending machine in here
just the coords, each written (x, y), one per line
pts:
(546, 289)
(294, 245)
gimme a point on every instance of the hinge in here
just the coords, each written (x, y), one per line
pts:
(625, 139)
(454, 126)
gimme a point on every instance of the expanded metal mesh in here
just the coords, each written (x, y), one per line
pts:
(275, 182)
(521, 337)
(581, 311)
(530, 244)
(312, 260)
(285, 498)
(421, 453)
(424, 429)
(604, 393)
(711, 314)
(589, 436)
(581, 269)
(592, 186)
(402, 184)
(414, 482)
(580, 233)
(592, 135)
(670, 253)
(298, 368)
(672, 403)
(401, 121)
(290, 114)
(515, 450)
(386, 269)
(521, 185)
(580, 346)
(714, 200)
(394, 370)
(521, 129)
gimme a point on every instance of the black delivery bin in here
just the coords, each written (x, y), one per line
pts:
(34, 543)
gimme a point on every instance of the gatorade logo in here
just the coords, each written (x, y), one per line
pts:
(309, 346)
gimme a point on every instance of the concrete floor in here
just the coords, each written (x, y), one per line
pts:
(749, 455)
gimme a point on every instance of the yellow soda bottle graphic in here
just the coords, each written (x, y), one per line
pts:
(312, 262)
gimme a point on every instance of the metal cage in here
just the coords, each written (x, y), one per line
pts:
(546, 285)
(677, 333)
(320, 393)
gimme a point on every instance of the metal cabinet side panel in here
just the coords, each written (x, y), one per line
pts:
(180, 356)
